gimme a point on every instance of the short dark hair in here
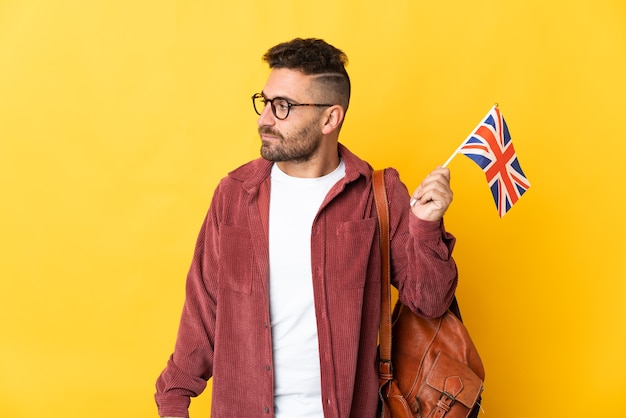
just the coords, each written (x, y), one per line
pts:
(315, 57)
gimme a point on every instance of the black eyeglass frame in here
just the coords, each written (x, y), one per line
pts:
(289, 105)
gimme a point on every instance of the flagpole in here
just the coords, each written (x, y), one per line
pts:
(414, 201)
(468, 137)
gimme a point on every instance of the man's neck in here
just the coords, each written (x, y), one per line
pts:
(322, 162)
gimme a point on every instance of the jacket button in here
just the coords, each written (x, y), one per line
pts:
(267, 367)
(267, 409)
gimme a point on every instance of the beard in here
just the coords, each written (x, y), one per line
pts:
(298, 147)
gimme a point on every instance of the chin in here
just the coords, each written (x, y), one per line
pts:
(267, 154)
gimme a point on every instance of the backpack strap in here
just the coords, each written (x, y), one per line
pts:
(385, 368)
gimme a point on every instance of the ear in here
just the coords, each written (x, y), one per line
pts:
(334, 119)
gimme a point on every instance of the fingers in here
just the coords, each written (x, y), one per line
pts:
(436, 182)
(434, 195)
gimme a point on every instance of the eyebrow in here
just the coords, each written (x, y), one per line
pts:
(289, 100)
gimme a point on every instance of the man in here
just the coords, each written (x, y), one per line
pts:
(283, 295)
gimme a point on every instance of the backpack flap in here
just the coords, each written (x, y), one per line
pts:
(454, 379)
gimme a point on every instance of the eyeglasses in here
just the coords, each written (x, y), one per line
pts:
(280, 107)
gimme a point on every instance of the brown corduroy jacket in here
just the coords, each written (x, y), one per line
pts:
(225, 331)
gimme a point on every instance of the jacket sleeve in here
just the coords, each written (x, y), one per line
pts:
(422, 269)
(191, 364)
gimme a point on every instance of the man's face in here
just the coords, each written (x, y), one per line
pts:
(296, 138)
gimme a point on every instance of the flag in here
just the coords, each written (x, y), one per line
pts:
(490, 147)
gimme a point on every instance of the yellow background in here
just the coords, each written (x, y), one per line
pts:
(117, 119)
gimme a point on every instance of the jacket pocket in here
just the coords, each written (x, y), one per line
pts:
(235, 259)
(348, 255)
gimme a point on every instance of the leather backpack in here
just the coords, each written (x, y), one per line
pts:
(428, 368)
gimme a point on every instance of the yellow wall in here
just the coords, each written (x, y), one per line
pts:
(117, 119)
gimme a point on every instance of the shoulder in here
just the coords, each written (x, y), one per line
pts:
(355, 167)
(254, 171)
(241, 181)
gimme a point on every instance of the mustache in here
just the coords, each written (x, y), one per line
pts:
(267, 130)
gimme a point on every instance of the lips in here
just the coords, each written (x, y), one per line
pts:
(269, 133)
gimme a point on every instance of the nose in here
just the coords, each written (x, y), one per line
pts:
(266, 118)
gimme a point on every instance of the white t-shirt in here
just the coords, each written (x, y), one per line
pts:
(294, 203)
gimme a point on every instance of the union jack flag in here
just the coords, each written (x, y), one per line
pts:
(490, 147)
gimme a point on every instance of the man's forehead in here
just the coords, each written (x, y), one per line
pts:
(287, 83)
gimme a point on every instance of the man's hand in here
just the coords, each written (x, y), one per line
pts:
(432, 198)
